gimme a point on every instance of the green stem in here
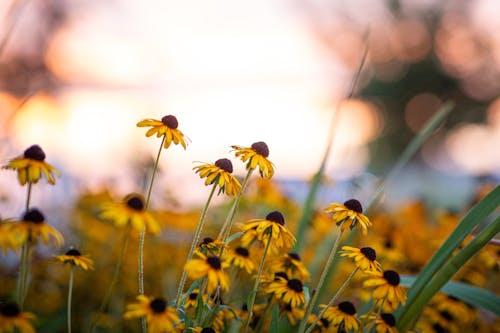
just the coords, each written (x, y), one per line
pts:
(253, 293)
(333, 299)
(312, 302)
(194, 244)
(70, 295)
(25, 259)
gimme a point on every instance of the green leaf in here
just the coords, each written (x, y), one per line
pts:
(234, 236)
(478, 297)
(250, 298)
(275, 319)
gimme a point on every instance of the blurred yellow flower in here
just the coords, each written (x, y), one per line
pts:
(167, 126)
(240, 257)
(287, 291)
(31, 166)
(210, 267)
(272, 227)
(131, 210)
(365, 258)
(256, 156)
(349, 215)
(160, 317)
(31, 228)
(75, 258)
(291, 264)
(211, 246)
(385, 323)
(220, 173)
(387, 288)
(11, 318)
(343, 316)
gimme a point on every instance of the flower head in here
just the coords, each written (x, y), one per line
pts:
(272, 227)
(365, 258)
(220, 173)
(293, 314)
(160, 317)
(211, 246)
(32, 227)
(256, 156)
(387, 288)
(132, 210)
(211, 267)
(343, 316)
(11, 318)
(240, 257)
(167, 126)
(385, 323)
(75, 258)
(288, 291)
(31, 166)
(349, 215)
(291, 264)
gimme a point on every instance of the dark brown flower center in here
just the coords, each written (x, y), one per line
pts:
(214, 262)
(158, 305)
(280, 274)
(225, 165)
(206, 241)
(208, 330)
(276, 217)
(74, 253)
(439, 329)
(34, 153)
(10, 310)
(295, 285)
(325, 322)
(392, 278)
(446, 315)
(388, 243)
(193, 296)
(242, 251)
(135, 201)
(354, 205)
(170, 121)
(347, 308)
(34, 216)
(261, 148)
(369, 253)
(388, 319)
(294, 256)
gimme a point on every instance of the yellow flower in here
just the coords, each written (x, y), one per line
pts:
(342, 315)
(211, 246)
(31, 166)
(192, 299)
(322, 325)
(31, 228)
(364, 257)
(160, 317)
(240, 258)
(5, 239)
(131, 210)
(290, 264)
(272, 227)
(385, 323)
(387, 288)
(287, 291)
(75, 258)
(293, 314)
(167, 126)
(220, 173)
(11, 318)
(210, 267)
(349, 215)
(256, 156)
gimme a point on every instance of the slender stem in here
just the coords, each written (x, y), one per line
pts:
(28, 197)
(333, 299)
(256, 284)
(142, 234)
(116, 273)
(70, 295)
(25, 259)
(194, 243)
(379, 311)
(322, 278)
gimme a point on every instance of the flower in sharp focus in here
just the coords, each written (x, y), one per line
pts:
(167, 126)
(240, 257)
(210, 267)
(131, 210)
(11, 318)
(31, 166)
(387, 288)
(220, 173)
(160, 317)
(256, 156)
(385, 323)
(365, 258)
(31, 228)
(288, 291)
(349, 215)
(272, 227)
(342, 315)
(75, 258)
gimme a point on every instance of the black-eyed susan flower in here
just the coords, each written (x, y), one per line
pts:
(293, 314)
(12, 319)
(320, 325)
(385, 323)
(365, 257)
(256, 156)
(160, 317)
(210, 267)
(271, 228)
(131, 211)
(211, 246)
(291, 264)
(5, 238)
(349, 215)
(31, 228)
(220, 173)
(344, 316)
(31, 166)
(75, 258)
(387, 288)
(240, 258)
(167, 127)
(192, 299)
(287, 291)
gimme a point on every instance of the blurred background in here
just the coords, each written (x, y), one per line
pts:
(77, 75)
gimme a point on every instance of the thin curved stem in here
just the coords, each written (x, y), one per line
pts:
(70, 295)
(24, 260)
